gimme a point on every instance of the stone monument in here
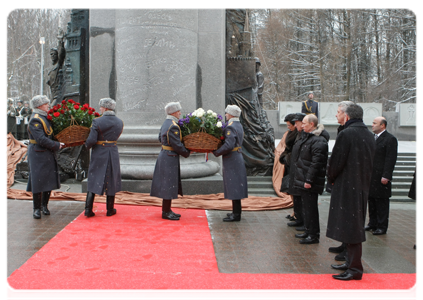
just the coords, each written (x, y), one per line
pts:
(146, 58)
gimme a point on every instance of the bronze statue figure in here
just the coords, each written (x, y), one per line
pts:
(55, 75)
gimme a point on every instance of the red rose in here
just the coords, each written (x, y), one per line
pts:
(54, 108)
(62, 111)
(56, 114)
(71, 101)
(49, 117)
(59, 105)
(76, 106)
(86, 105)
(83, 108)
(92, 108)
(64, 102)
(96, 114)
(50, 111)
(222, 138)
(90, 112)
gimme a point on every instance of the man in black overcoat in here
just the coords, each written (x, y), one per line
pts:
(233, 166)
(166, 182)
(295, 192)
(43, 170)
(310, 157)
(349, 172)
(383, 168)
(104, 170)
(25, 113)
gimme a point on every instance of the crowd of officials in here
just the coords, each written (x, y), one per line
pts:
(17, 118)
(359, 170)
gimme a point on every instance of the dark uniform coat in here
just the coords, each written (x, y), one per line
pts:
(166, 182)
(233, 166)
(104, 171)
(383, 165)
(294, 191)
(43, 171)
(310, 107)
(350, 169)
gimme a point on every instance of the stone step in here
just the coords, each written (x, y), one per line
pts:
(405, 167)
(400, 192)
(260, 184)
(412, 158)
(401, 198)
(397, 179)
(406, 163)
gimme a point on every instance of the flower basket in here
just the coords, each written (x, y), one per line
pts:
(71, 122)
(74, 135)
(202, 131)
(201, 142)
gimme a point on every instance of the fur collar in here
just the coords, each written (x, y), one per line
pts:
(318, 131)
(170, 117)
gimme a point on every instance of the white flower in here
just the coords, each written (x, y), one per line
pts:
(210, 111)
(214, 115)
(219, 124)
(200, 114)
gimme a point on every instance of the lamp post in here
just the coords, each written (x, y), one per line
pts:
(42, 42)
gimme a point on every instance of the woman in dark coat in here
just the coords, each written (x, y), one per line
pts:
(104, 170)
(233, 166)
(43, 171)
(166, 182)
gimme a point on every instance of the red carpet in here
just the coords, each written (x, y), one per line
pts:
(136, 249)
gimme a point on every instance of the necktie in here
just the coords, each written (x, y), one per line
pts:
(376, 136)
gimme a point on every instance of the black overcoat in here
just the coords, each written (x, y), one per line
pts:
(383, 165)
(166, 182)
(310, 159)
(350, 170)
(104, 171)
(233, 166)
(43, 170)
(292, 190)
(414, 192)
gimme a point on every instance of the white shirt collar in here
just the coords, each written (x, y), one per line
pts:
(378, 135)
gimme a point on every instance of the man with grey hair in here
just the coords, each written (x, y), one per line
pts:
(104, 171)
(349, 172)
(233, 166)
(166, 182)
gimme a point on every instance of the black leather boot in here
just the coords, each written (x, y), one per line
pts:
(236, 215)
(36, 200)
(44, 202)
(110, 203)
(89, 202)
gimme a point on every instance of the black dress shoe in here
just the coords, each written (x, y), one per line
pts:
(337, 249)
(178, 215)
(288, 216)
(37, 214)
(232, 218)
(169, 216)
(295, 223)
(309, 240)
(341, 256)
(368, 228)
(301, 235)
(89, 213)
(302, 228)
(343, 267)
(111, 212)
(347, 276)
(379, 232)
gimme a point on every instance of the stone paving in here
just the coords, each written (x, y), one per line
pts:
(260, 243)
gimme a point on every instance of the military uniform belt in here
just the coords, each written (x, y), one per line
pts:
(33, 141)
(236, 148)
(167, 148)
(106, 142)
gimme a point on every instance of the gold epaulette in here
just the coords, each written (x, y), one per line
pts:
(46, 130)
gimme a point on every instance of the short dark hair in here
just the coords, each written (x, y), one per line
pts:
(384, 122)
(288, 118)
(354, 111)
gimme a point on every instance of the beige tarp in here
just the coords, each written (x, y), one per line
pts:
(16, 150)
